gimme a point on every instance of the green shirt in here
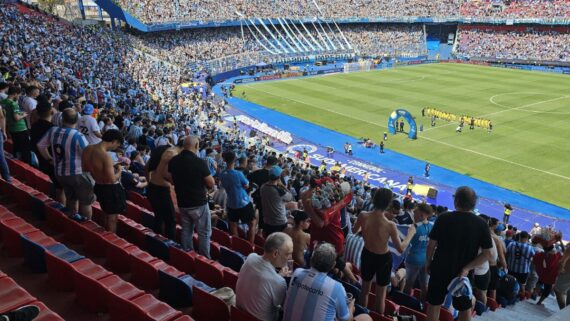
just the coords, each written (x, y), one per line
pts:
(12, 108)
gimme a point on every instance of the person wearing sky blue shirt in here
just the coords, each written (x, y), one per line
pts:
(312, 295)
(416, 259)
(239, 204)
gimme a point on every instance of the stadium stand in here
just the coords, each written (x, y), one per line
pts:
(134, 81)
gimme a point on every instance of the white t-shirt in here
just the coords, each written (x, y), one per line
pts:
(88, 126)
(28, 105)
(260, 290)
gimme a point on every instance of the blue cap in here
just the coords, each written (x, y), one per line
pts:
(88, 109)
(275, 172)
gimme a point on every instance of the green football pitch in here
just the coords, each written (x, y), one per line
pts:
(528, 150)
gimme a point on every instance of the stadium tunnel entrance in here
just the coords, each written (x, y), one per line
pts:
(393, 123)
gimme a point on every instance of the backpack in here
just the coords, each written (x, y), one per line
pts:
(508, 287)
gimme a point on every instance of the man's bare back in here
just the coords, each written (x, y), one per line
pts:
(376, 231)
(99, 164)
(160, 175)
(301, 241)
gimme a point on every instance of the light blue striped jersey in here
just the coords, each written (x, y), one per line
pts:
(66, 145)
(519, 257)
(314, 296)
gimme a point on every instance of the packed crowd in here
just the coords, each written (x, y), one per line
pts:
(530, 44)
(102, 131)
(193, 46)
(516, 9)
(205, 10)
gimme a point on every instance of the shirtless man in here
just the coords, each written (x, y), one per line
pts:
(376, 258)
(301, 239)
(108, 189)
(158, 191)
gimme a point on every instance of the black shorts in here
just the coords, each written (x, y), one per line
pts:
(494, 276)
(246, 214)
(270, 229)
(437, 291)
(481, 282)
(521, 277)
(376, 264)
(111, 197)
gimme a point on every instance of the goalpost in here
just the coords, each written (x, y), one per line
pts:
(362, 65)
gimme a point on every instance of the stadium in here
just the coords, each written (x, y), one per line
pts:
(284, 160)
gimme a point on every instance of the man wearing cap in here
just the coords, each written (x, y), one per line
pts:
(98, 162)
(88, 125)
(238, 205)
(274, 196)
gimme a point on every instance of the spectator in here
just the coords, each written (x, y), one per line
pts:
(110, 193)
(546, 264)
(88, 125)
(66, 146)
(376, 258)
(4, 169)
(301, 239)
(274, 196)
(28, 103)
(519, 258)
(562, 285)
(239, 206)
(16, 124)
(260, 177)
(416, 258)
(453, 250)
(158, 191)
(44, 113)
(192, 179)
(266, 301)
(312, 295)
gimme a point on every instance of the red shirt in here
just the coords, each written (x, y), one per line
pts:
(331, 232)
(546, 265)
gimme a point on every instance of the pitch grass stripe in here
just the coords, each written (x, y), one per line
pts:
(424, 137)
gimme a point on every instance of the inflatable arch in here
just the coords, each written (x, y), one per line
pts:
(392, 123)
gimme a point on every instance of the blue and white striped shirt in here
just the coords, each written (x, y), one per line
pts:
(519, 257)
(66, 145)
(312, 295)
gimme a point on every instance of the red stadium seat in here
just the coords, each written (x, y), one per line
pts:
(139, 200)
(11, 229)
(142, 308)
(145, 267)
(238, 314)
(95, 295)
(209, 272)
(118, 255)
(221, 237)
(492, 304)
(61, 274)
(206, 307)
(46, 314)
(445, 315)
(242, 246)
(12, 296)
(182, 260)
(230, 278)
(378, 317)
(96, 241)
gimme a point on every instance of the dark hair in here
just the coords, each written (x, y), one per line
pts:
(112, 135)
(465, 198)
(3, 85)
(229, 156)
(69, 116)
(382, 199)
(396, 205)
(493, 221)
(30, 89)
(14, 90)
(523, 235)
